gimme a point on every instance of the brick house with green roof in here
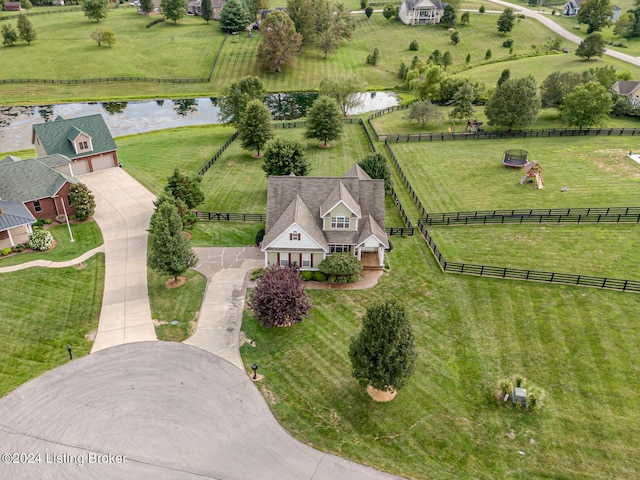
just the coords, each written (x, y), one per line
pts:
(40, 185)
(86, 141)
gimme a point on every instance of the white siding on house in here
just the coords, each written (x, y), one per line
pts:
(284, 241)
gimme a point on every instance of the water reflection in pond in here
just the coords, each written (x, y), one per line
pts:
(125, 118)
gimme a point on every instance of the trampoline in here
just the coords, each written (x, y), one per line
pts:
(515, 158)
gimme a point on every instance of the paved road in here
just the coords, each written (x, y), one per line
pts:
(220, 318)
(123, 211)
(553, 26)
(175, 411)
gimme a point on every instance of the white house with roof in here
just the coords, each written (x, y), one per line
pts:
(421, 12)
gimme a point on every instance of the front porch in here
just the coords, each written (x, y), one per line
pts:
(370, 261)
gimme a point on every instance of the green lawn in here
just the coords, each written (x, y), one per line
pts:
(578, 344)
(151, 157)
(44, 310)
(86, 236)
(180, 304)
(457, 176)
(602, 250)
(224, 234)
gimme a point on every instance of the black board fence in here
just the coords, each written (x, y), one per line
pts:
(230, 217)
(528, 275)
(405, 180)
(520, 216)
(218, 154)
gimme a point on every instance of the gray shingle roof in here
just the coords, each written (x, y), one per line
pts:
(31, 179)
(56, 136)
(14, 214)
(340, 194)
(625, 87)
(358, 172)
(313, 192)
(370, 227)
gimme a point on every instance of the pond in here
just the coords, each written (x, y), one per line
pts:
(125, 118)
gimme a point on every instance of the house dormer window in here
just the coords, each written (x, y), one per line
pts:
(294, 235)
(83, 145)
(340, 222)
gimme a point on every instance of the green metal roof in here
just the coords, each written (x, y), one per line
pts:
(30, 180)
(57, 136)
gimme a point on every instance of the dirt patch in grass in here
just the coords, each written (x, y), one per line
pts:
(175, 283)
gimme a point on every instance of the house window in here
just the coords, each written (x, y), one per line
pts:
(340, 222)
(36, 206)
(283, 259)
(339, 248)
(306, 260)
(84, 145)
(294, 235)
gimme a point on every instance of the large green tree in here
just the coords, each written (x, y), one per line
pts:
(95, 9)
(173, 10)
(188, 189)
(236, 97)
(423, 111)
(324, 120)
(284, 157)
(514, 104)
(448, 18)
(302, 14)
(345, 89)
(426, 85)
(383, 354)
(333, 25)
(596, 14)
(233, 17)
(463, 103)
(377, 168)
(558, 84)
(206, 11)
(506, 21)
(26, 31)
(280, 42)
(146, 6)
(592, 46)
(588, 105)
(169, 250)
(255, 126)
(9, 35)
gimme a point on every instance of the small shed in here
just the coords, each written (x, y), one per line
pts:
(12, 6)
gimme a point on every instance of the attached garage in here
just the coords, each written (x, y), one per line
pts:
(102, 162)
(79, 167)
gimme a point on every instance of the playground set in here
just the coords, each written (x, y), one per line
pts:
(520, 159)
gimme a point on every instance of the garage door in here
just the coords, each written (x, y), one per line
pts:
(80, 167)
(100, 163)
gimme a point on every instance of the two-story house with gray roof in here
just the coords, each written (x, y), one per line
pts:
(421, 12)
(309, 218)
(30, 189)
(86, 141)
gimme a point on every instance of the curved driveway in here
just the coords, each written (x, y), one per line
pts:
(553, 26)
(174, 411)
(123, 211)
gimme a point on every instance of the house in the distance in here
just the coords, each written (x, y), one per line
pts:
(309, 218)
(572, 7)
(31, 189)
(628, 89)
(85, 140)
(421, 12)
(11, 6)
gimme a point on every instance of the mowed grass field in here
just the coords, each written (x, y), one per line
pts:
(43, 311)
(598, 250)
(462, 176)
(188, 49)
(578, 344)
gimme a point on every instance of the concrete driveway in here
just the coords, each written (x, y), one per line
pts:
(154, 410)
(123, 211)
(220, 318)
